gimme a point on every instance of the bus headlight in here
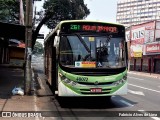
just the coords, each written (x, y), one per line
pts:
(125, 77)
(66, 80)
(120, 81)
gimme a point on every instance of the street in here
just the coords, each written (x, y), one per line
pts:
(143, 97)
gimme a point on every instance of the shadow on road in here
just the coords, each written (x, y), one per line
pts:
(86, 102)
(93, 102)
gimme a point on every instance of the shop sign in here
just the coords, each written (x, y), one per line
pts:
(138, 35)
(136, 50)
(149, 36)
(152, 48)
(143, 32)
(157, 35)
(127, 36)
(157, 25)
(137, 54)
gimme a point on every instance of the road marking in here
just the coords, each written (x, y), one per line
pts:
(155, 118)
(136, 92)
(127, 103)
(135, 78)
(141, 110)
(35, 107)
(145, 88)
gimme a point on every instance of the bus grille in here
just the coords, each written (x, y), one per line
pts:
(89, 83)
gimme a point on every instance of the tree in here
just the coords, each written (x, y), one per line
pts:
(57, 10)
(65, 10)
(10, 11)
(38, 48)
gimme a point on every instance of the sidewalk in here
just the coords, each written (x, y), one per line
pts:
(11, 77)
(152, 75)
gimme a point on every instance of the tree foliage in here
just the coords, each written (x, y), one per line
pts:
(64, 10)
(38, 48)
(10, 11)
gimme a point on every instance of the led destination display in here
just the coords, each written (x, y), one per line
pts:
(92, 27)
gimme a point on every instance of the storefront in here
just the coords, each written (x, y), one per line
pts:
(9, 31)
(136, 60)
(132, 64)
(157, 65)
(146, 64)
(151, 54)
(145, 47)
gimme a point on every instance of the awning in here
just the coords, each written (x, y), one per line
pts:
(12, 31)
(16, 43)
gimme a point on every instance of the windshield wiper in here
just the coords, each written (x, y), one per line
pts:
(84, 44)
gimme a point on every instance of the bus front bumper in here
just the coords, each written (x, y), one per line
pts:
(65, 91)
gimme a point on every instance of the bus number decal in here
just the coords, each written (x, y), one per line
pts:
(75, 27)
(82, 79)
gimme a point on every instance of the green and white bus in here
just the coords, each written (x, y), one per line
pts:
(86, 58)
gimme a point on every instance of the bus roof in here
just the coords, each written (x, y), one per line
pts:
(71, 21)
(94, 21)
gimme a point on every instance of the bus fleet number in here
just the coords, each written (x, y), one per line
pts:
(82, 79)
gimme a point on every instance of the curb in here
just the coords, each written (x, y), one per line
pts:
(33, 88)
(145, 74)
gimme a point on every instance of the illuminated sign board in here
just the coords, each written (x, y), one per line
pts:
(92, 27)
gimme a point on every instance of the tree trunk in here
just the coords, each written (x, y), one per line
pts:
(35, 33)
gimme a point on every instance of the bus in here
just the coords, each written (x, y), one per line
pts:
(86, 58)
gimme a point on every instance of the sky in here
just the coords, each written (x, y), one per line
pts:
(101, 10)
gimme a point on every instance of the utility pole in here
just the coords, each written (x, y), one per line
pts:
(28, 48)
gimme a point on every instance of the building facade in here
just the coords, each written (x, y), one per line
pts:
(132, 12)
(144, 46)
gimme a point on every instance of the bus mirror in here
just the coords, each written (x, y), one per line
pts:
(56, 41)
(58, 31)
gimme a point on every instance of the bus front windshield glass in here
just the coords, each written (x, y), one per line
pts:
(92, 51)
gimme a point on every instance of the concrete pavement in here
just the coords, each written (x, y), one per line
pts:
(11, 77)
(152, 75)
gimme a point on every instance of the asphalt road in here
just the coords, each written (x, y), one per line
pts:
(142, 99)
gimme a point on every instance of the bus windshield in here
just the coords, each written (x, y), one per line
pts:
(88, 51)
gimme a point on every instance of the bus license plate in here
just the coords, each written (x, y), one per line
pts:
(96, 90)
